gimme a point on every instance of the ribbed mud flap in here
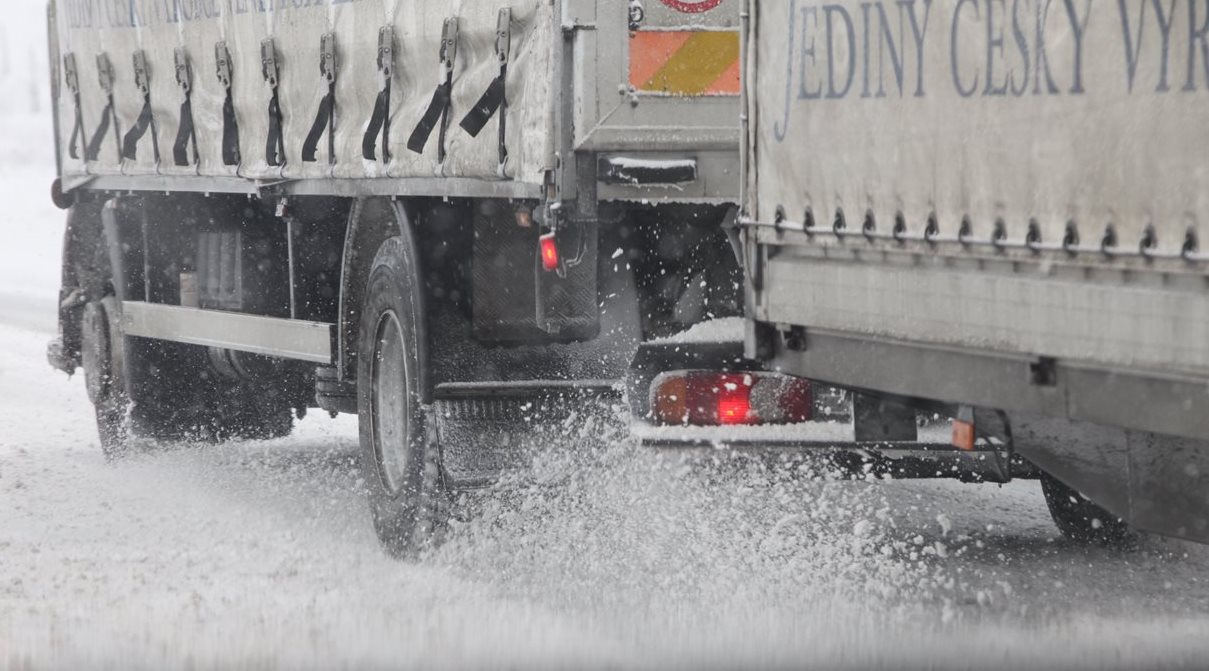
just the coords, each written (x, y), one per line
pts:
(490, 429)
(567, 300)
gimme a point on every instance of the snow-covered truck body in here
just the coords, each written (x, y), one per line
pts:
(437, 215)
(999, 205)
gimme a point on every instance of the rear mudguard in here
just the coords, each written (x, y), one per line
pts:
(1154, 482)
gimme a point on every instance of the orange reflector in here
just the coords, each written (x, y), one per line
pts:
(963, 435)
(685, 62)
(549, 252)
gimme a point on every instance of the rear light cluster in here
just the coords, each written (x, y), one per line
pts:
(548, 248)
(710, 398)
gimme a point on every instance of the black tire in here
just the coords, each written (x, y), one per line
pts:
(146, 392)
(399, 452)
(105, 375)
(1081, 520)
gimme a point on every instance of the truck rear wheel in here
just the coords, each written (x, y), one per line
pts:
(399, 452)
(1081, 520)
(147, 391)
(105, 375)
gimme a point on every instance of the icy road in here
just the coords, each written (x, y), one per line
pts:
(260, 555)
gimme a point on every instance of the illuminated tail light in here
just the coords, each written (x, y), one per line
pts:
(710, 398)
(548, 247)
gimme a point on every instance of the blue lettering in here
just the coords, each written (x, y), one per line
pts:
(1197, 35)
(963, 91)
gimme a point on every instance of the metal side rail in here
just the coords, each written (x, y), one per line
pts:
(270, 336)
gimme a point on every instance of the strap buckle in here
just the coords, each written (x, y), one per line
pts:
(71, 74)
(386, 50)
(327, 57)
(503, 35)
(449, 44)
(222, 64)
(268, 62)
(105, 72)
(142, 76)
(184, 70)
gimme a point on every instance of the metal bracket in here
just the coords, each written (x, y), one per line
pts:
(637, 14)
(327, 57)
(184, 70)
(142, 75)
(71, 74)
(386, 50)
(105, 72)
(449, 44)
(222, 64)
(268, 62)
(503, 35)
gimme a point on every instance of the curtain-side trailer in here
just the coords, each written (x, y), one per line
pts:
(998, 208)
(432, 214)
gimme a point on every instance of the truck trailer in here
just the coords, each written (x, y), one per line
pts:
(995, 210)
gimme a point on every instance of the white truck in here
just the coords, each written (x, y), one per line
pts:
(997, 209)
(432, 214)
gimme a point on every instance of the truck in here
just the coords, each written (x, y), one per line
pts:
(437, 216)
(994, 210)
(458, 221)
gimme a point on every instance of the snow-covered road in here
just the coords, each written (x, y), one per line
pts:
(260, 555)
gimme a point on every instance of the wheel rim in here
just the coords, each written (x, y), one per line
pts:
(391, 403)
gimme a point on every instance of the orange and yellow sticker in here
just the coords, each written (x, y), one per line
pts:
(685, 62)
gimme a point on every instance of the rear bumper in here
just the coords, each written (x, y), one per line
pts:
(831, 443)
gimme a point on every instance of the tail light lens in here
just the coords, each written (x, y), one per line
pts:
(710, 398)
(548, 247)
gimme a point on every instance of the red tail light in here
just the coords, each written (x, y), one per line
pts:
(734, 409)
(549, 250)
(709, 398)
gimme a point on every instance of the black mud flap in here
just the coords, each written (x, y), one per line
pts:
(1156, 483)
(490, 429)
(567, 300)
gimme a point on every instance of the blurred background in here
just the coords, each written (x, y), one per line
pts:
(30, 226)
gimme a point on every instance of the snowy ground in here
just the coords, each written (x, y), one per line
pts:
(260, 555)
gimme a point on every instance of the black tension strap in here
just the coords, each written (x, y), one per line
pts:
(230, 126)
(108, 115)
(438, 109)
(494, 98)
(186, 134)
(325, 120)
(275, 142)
(72, 75)
(487, 105)
(379, 121)
(146, 120)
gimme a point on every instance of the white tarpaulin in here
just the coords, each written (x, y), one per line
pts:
(120, 28)
(1054, 110)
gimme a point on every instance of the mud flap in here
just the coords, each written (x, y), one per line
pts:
(1154, 482)
(567, 306)
(489, 429)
